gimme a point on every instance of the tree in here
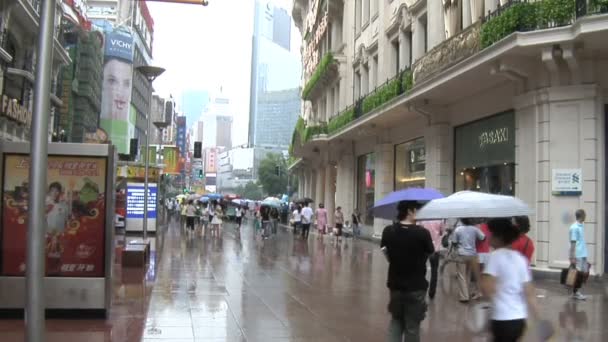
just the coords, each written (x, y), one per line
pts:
(272, 174)
(250, 191)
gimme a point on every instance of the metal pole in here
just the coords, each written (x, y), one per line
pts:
(147, 166)
(35, 260)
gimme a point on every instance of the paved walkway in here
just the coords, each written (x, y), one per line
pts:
(283, 289)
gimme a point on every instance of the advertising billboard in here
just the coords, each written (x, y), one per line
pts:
(117, 118)
(181, 135)
(171, 160)
(75, 215)
(211, 160)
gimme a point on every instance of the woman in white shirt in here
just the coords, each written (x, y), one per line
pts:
(507, 282)
(297, 219)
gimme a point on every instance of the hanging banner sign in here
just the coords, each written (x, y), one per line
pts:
(171, 160)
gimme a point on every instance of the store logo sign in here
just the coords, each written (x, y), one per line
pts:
(12, 109)
(494, 137)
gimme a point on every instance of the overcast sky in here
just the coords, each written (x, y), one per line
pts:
(205, 48)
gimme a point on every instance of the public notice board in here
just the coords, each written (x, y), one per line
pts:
(135, 200)
(75, 215)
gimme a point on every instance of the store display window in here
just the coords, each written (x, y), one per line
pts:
(410, 162)
(485, 155)
(366, 186)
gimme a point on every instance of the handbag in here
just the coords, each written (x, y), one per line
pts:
(568, 276)
(478, 320)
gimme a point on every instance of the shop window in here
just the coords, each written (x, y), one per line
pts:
(485, 155)
(366, 185)
(410, 158)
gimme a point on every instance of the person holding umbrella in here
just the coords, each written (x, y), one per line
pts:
(407, 247)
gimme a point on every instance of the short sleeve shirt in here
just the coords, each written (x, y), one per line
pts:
(510, 268)
(577, 234)
(466, 237)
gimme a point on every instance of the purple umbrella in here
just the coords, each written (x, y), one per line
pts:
(386, 208)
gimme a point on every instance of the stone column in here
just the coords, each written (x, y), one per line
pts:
(300, 184)
(435, 26)
(466, 13)
(384, 179)
(330, 192)
(345, 185)
(320, 185)
(438, 142)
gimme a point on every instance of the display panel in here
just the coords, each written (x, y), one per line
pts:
(135, 200)
(75, 215)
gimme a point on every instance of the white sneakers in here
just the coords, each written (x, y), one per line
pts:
(579, 296)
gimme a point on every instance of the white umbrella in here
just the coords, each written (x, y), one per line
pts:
(471, 204)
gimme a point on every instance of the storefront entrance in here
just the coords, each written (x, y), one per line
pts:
(485, 155)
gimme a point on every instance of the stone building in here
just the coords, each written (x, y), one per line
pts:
(487, 95)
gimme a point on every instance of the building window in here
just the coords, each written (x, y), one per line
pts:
(357, 85)
(358, 23)
(395, 56)
(366, 185)
(337, 97)
(365, 80)
(410, 48)
(410, 162)
(484, 155)
(365, 12)
(374, 8)
(375, 76)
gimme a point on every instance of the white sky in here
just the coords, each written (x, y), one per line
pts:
(204, 48)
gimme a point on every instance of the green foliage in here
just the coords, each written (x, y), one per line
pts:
(339, 121)
(311, 131)
(556, 12)
(381, 95)
(599, 5)
(273, 182)
(321, 69)
(407, 80)
(528, 16)
(250, 191)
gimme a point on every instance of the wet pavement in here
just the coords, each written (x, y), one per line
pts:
(241, 288)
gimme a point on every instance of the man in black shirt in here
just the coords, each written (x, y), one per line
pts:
(407, 247)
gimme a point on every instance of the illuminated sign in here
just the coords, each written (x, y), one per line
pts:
(135, 200)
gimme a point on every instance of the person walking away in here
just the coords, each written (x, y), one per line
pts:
(321, 215)
(265, 215)
(274, 220)
(436, 228)
(190, 215)
(356, 220)
(523, 244)
(239, 216)
(578, 251)
(183, 208)
(307, 215)
(483, 247)
(204, 219)
(339, 219)
(216, 223)
(507, 282)
(296, 216)
(407, 247)
(465, 236)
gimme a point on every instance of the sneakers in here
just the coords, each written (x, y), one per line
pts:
(579, 296)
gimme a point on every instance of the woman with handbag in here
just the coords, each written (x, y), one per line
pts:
(507, 282)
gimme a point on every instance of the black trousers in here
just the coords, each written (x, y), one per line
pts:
(305, 230)
(508, 331)
(434, 260)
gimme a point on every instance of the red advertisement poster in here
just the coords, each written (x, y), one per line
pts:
(75, 215)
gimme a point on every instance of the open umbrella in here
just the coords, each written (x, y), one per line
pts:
(387, 207)
(303, 200)
(471, 204)
(272, 202)
(214, 196)
(204, 199)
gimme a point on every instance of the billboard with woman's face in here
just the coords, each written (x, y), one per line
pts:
(117, 85)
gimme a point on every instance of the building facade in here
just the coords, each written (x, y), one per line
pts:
(18, 51)
(275, 78)
(442, 94)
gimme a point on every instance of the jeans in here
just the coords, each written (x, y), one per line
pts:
(356, 231)
(305, 230)
(434, 261)
(407, 309)
(507, 331)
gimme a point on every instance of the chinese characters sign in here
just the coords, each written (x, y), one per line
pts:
(135, 201)
(75, 216)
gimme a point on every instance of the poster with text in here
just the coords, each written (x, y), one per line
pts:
(75, 215)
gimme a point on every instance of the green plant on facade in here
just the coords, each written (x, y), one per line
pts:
(382, 95)
(321, 69)
(528, 16)
(339, 121)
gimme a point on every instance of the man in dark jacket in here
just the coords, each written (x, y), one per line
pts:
(407, 247)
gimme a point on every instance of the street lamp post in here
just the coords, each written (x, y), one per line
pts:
(150, 73)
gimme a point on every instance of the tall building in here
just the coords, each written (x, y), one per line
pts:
(403, 94)
(217, 123)
(224, 131)
(18, 45)
(275, 79)
(194, 103)
(200, 129)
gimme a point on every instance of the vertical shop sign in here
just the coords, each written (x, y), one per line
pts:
(75, 215)
(171, 160)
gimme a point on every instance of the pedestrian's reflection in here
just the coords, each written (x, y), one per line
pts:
(574, 323)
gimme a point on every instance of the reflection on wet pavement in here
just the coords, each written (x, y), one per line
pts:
(240, 288)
